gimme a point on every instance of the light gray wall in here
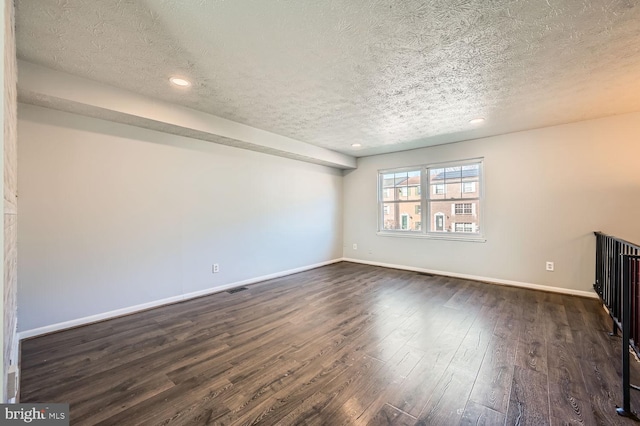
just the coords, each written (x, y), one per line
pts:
(114, 216)
(546, 191)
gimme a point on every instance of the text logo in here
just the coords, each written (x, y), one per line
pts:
(34, 414)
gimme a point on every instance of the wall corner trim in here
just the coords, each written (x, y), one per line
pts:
(582, 293)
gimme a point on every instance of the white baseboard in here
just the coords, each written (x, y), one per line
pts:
(156, 303)
(590, 294)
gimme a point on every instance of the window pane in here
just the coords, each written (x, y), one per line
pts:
(401, 216)
(388, 184)
(470, 170)
(414, 187)
(436, 174)
(402, 193)
(453, 173)
(413, 183)
(405, 184)
(437, 191)
(437, 180)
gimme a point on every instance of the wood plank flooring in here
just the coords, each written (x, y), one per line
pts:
(341, 344)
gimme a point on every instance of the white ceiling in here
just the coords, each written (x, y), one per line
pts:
(389, 74)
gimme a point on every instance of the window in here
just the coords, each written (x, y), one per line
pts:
(446, 201)
(468, 187)
(464, 227)
(399, 209)
(463, 208)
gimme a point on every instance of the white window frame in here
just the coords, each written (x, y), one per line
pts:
(427, 199)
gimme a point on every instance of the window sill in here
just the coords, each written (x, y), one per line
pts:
(449, 237)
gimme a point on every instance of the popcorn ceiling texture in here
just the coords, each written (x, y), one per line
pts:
(378, 72)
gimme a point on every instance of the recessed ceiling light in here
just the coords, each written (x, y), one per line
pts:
(356, 145)
(180, 82)
(477, 121)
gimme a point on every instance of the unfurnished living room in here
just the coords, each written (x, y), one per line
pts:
(333, 212)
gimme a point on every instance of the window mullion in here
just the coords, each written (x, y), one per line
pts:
(426, 200)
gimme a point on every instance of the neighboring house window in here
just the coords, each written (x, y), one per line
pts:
(464, 208)
(443, 192)
(464, 227)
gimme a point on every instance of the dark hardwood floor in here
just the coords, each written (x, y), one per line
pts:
(341, 344)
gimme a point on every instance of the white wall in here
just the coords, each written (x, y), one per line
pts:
(114, 216)
(547, 190)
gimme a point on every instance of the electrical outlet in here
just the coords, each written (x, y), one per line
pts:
(550, 266)
(216, 268)
(355, 246)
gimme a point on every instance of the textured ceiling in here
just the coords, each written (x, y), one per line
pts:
(390, 74)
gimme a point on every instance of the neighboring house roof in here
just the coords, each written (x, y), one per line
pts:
(443, 175)
(402, 181)
(456, 174)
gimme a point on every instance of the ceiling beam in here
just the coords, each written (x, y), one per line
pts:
(54, 89)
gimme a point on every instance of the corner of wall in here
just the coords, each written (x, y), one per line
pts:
(10, 362)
